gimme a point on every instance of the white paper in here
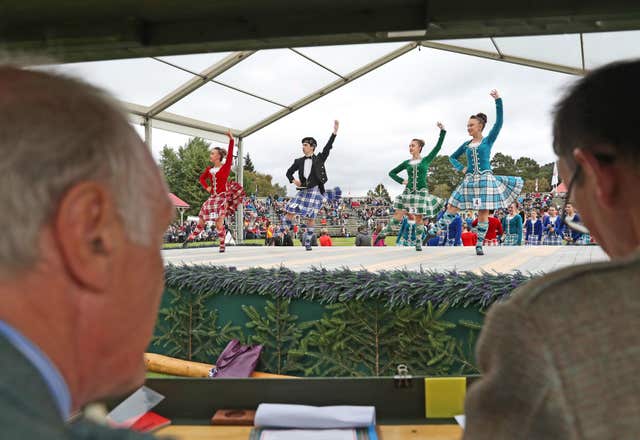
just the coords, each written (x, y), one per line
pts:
(308, 434)
(134, 406)
(314, 417)
(460, 419)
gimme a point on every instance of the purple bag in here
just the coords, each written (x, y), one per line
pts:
(236, 360)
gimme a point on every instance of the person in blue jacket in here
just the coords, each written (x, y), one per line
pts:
(572, 237)
(452, 236)
(553, 228)
(533, 225)
(512, 227)
(407, 233)
(480, 189)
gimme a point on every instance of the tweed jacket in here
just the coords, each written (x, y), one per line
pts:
(559, 359)
(318, 175)
(28, 411)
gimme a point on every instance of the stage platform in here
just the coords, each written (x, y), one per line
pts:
(532, 259)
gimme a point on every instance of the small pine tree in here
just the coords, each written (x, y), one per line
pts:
(248, 164)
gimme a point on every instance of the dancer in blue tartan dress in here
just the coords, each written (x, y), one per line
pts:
(481, 189)
(553, 228)
(310, 184)
(534, 230)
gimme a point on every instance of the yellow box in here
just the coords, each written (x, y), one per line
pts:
(444, 396)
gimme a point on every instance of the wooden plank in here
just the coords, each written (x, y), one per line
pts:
(386, 432)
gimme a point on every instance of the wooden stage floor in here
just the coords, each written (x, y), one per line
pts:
(499, 259)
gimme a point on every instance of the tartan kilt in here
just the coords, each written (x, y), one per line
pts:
(222, 204)
(552, 240)
(510, 240)
(450, 242)
(487, 190)
(533, 241)
(419, 202)
(308, 202)
(584, 240)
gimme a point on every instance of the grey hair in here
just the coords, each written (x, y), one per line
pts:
(55, 132)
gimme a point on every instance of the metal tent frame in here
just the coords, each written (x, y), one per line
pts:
(157, 116)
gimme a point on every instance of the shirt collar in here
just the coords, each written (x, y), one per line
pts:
(50, 374)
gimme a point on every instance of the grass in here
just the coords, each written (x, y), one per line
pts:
(337, 241)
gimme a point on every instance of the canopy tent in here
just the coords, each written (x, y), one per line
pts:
(99, 30)
(179, 204)
(198, 92)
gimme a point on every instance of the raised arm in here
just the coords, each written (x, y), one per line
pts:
(394, 173)
(229, 160)
(456, 154)
(327, 148)
(433, 153)
(495, 130)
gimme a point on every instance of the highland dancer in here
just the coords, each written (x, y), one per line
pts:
(225, 196)
(481, 189)
(415, 199)
(310, 185)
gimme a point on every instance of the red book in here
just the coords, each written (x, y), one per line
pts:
(150, 421)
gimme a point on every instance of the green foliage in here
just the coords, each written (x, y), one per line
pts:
(380, 193)
(394, 288)
(261, 185)
(442, 174)
(188, 329)
(248, 164)
(503, 165)
(279, 332)
(372, 321)
(441, 190)
(182, 169)
(364, 338)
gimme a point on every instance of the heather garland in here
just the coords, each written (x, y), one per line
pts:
(395, 288)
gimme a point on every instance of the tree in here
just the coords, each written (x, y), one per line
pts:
(503, 165)
(248, 164)
(261, 185)
(442, 190)
(380, 192)
(442, 172)
(182, 168)
(527, 168)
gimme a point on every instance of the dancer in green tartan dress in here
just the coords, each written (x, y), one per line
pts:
(415, 199)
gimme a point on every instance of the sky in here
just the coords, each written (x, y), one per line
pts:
(380, 112)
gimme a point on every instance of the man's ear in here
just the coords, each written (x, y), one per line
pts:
(86, 229)
(604, 177)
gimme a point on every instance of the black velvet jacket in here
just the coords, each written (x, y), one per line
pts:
(318, 175)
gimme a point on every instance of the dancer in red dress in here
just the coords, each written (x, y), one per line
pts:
(225, 196)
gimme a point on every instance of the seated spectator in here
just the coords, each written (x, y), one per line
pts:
(559, 359)
(363, 238)
(494, 231)
(81, 273)
(468, 237)
(324, 239)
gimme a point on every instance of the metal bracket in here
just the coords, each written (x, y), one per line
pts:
(403, 379)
